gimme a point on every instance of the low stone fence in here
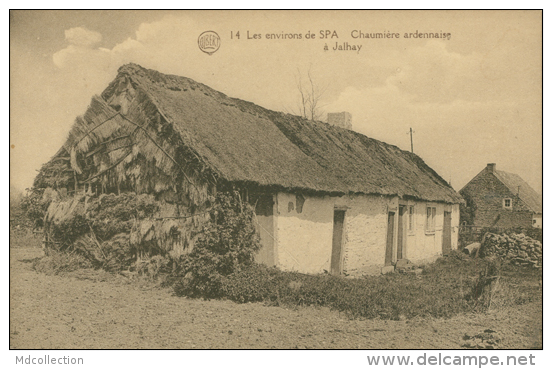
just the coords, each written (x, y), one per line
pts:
(516, 248)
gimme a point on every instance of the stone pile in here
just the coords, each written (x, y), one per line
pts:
(488, 340)
(406, 266)
(517, 248)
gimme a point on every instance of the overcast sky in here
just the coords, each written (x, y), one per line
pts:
(472, 99)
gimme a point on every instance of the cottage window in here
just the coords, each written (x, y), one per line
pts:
(430, 219)
(300, 201)
(507, 203)
(411, 218)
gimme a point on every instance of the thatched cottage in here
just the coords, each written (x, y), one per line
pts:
(495, 198)
(326, 198)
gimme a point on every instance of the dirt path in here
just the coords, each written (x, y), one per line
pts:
(48, 312)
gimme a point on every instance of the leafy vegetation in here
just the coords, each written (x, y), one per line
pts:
(34, 207)
(101, 233)
(450, 286)
(226, 245)
(114, 214)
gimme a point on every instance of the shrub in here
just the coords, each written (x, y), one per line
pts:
(53, 175)
(116, 253)
(67, 232)
(225, 245)
(257, 283)
(34, 207)
(447, 287)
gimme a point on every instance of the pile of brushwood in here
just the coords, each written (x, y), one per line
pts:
(518, 249)
(99, 228)
(122, 233)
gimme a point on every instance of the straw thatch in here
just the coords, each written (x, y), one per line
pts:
(194, 136)
(243, 142)
(111, 152)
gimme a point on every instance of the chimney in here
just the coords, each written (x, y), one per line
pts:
(343, 119)
(491, 167)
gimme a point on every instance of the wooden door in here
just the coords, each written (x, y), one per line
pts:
(339, 218)
(447, 230)
(390, 233)
(400, 235)
(264, 222)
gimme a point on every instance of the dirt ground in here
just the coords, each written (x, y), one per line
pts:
(80, 311)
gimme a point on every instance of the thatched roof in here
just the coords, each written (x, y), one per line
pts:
(519, 187)
(242, 142)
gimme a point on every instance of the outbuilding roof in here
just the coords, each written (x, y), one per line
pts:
(520, 188)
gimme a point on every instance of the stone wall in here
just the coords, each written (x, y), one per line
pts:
(488, 193)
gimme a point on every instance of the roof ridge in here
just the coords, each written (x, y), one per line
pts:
(243, 141)
(134, 66)
(474, 177)
(161, 111)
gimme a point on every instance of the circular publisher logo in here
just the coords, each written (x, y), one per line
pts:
(208, 42)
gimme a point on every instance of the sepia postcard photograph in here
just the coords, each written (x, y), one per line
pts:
(228, 179)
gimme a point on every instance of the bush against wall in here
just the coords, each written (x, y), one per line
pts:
(467, 210)
(225, 245)
(34, 207)
(115, 231)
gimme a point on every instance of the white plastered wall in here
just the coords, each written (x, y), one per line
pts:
(425, 246)
(304, 240)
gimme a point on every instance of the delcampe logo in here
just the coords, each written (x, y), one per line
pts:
(208, 42)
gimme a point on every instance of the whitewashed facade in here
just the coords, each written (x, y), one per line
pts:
(375, 231)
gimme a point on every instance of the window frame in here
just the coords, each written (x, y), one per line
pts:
(431, 215)
(507, 199)
(411, 218)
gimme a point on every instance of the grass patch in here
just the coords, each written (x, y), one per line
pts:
(518, 285)
(393, 296)
(25, 237)
(450, 286)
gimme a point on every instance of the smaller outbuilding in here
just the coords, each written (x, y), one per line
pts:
(495, 198)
